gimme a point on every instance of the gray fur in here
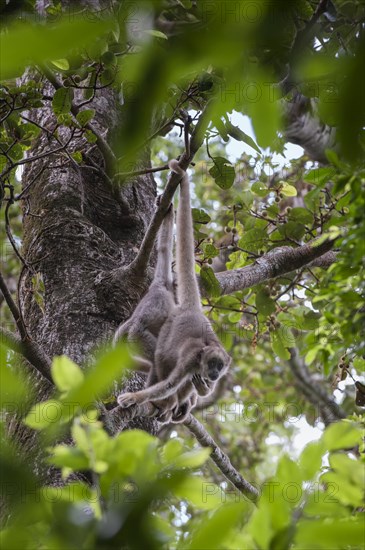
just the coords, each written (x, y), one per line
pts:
(144, 325)
(189, 359)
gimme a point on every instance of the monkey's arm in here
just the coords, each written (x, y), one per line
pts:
(180, 374)
(158, 391)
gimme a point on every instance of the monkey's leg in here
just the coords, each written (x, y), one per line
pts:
(166, 407)
(187, 398)
(142, 336)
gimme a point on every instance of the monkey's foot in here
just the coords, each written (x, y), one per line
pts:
(164, 417)
(181, 414)
(126, 400)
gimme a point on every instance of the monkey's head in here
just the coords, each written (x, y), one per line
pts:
(214, 363)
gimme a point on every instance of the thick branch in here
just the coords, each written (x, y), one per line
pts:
(274, 264)
(324, 261)
(220, 458)
(314, 393)
(30, 350)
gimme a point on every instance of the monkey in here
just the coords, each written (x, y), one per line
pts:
(189, 357)
(154, 308)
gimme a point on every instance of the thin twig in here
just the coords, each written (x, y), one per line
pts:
(38, 174)
(10, 235)
(35, 157)
(30, 350)
(13, 308)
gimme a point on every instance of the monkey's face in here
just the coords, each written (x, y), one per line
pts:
(214, 363)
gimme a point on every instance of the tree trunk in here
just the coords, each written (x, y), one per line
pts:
(77, 228)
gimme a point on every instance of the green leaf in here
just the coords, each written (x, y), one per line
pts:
(359, 364)
(65, 456)
(199, 493)
(210, 251)
(108, 58)
(341, 435)
(278, 347)
(83, 117)
(263, 108)
(312, 354)
(288, 472)
(193, 459)
(330, 533)
(319, 176)
(157, 34)
(310, 320)
(62, 100)
(264, 303)
(311, 459)
(260, 189)
(43, 414)
(66, 374)
(333, 158)
(288, 190)
(253, 240)
(90, 136)
(77, 156)
(236, 133)
(62, 64)
(350, 468)
(135, 450)
(292, 230)
(101, 377)
(27, 43)
(222, 172)
(65, 119)
(171, 450)
(200, 216)
(300, 215)
(209, 281)
(212, 532)
(235, 317)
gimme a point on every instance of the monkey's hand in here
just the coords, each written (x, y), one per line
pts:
(129, 399)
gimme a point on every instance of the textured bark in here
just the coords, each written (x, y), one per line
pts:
(275, 263)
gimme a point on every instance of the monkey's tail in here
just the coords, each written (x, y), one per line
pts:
(187, 287)
(163, 271)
